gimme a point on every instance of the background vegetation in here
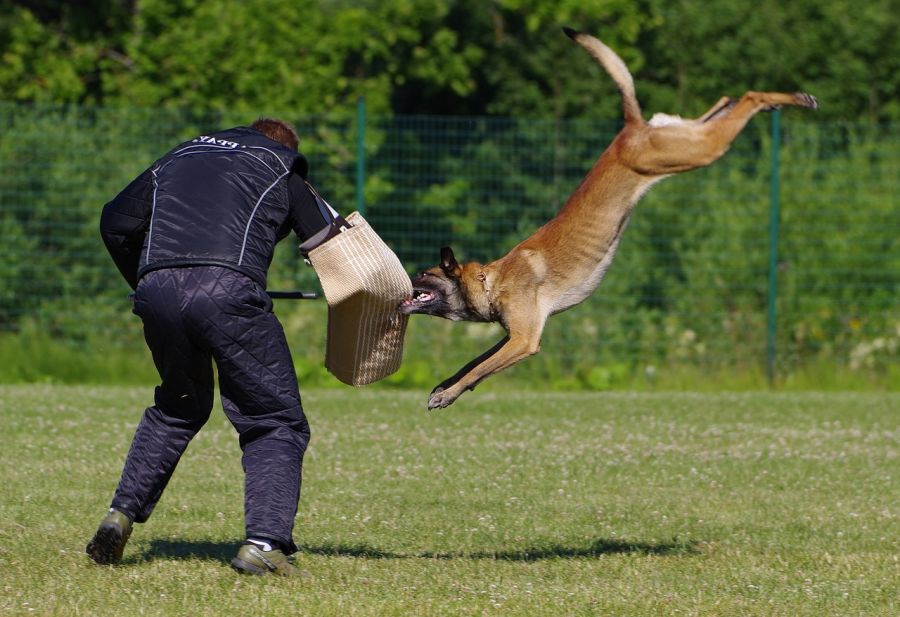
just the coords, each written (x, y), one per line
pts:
(481, 119)
(472, 57)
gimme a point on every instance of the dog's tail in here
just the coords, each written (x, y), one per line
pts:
(617, 70)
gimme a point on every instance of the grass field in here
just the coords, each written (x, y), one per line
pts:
(505, 504)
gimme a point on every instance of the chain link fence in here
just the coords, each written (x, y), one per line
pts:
(694, 286)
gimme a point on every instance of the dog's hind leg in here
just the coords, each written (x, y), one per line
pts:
(679, 147)
(724, 103)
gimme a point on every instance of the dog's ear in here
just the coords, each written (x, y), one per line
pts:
(448, 261)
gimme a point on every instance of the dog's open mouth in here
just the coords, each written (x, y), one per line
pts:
(419, 297)
(419, 303)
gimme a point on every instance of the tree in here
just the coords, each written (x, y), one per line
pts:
(847, 54)
(522, 65)
(56, 51)
(456, 57)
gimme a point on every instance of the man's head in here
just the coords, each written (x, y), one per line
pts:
(278, 130)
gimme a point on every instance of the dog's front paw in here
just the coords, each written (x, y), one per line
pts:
(441, 398)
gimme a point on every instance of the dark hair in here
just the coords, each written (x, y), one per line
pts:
(278, 130)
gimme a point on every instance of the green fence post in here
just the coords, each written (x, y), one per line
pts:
(774, 215)
(360, 154)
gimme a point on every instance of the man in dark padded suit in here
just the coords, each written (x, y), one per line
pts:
(194, 235)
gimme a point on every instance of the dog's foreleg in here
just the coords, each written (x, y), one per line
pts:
(451, 381)
(522, 341)
(503, 355)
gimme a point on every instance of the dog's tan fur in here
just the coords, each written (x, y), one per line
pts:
(565, 260)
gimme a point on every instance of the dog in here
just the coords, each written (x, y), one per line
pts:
(563, 262)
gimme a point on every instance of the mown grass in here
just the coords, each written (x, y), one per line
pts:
(505, 504)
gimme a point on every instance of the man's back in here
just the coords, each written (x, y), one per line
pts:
(220, 199)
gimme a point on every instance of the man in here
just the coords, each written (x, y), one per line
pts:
(194, 236)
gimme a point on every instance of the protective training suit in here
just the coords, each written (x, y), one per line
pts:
(194, 236)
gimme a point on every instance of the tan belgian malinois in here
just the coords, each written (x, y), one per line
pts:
(565, 260)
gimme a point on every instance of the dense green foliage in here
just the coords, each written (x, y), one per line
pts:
(474, 57)
(527, 504)
(96, 91)
(687, 291)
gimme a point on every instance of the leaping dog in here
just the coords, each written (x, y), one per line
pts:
(563, 262)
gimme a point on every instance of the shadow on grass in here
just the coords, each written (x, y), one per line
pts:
(596, 549)
(224, 551)
(183, 549)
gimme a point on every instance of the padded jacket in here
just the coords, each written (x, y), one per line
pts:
(220, 199)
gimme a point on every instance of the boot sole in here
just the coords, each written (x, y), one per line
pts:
(107, 545)
(245, 567)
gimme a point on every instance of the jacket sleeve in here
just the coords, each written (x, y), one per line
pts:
(124, 222)
(307, 215)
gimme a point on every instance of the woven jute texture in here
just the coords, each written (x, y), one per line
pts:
(364, 283)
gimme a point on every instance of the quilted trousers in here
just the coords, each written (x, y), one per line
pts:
(192, 317)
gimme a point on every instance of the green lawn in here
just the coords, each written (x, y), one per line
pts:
(505, 504)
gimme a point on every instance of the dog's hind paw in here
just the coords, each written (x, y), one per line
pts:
(806, 100)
